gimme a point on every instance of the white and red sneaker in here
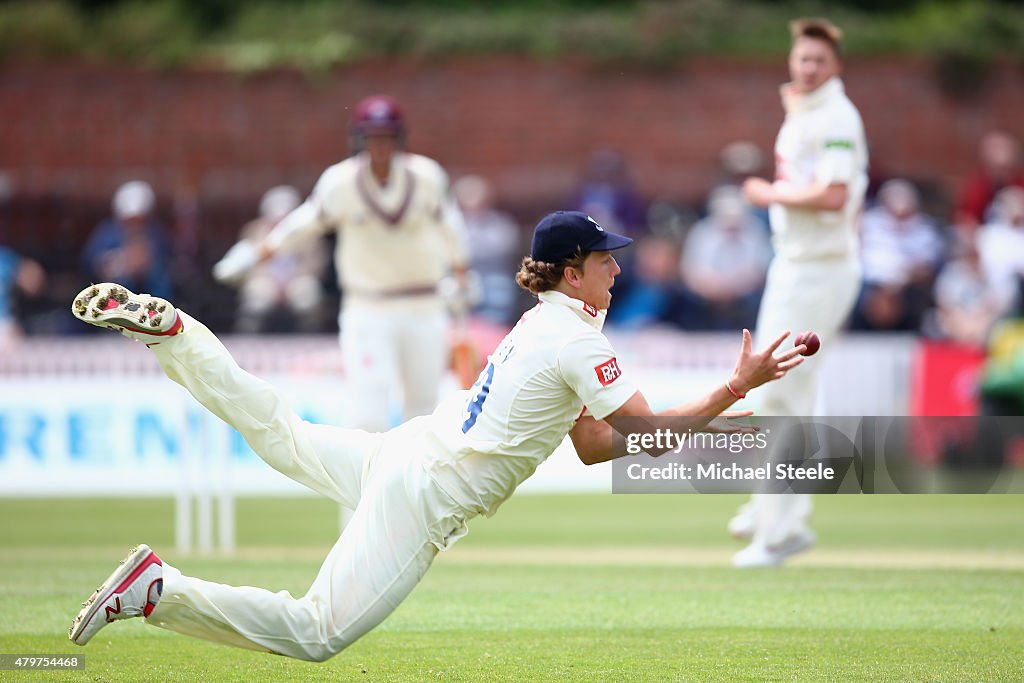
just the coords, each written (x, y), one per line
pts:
(757, 554)
(131, 591)
(141, 317)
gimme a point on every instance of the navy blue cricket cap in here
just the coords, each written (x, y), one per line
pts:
(560, 234)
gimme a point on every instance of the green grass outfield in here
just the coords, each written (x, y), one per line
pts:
(565, 588)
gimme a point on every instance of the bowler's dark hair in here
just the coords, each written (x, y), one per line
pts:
(541, 276)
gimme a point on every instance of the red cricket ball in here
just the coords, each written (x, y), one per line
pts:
(809, 339)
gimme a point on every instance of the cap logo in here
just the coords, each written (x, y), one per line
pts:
(596, 224)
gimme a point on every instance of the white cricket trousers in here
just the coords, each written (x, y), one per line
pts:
(388, 347)
(380, 556)
(799, 295)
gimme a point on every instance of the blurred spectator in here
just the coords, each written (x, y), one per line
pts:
(650, 297)
(607, 194)
(1002, 382)
(495, 245)
(999, 154)
(131, 247)
(667, 218)
(16, 273)
(738, 161)
(188, 267)
(967, 299)
(725, 260)
(1001, 240)
(1001, 390)
(284, 292)
(901, 251)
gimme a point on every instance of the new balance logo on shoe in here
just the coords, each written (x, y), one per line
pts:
(113, 611)
(133, 590)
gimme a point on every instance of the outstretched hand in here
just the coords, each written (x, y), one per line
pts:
(723, 423)
(754, 369)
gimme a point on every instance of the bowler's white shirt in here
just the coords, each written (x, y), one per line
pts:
(821, 140)
(482, 443)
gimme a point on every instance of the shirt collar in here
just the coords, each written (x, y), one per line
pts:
(586, 312)
(796, 103)
(395, 170)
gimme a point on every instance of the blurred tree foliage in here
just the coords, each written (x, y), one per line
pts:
(318, 35)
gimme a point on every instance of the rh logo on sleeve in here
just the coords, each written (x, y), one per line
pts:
(608, 372)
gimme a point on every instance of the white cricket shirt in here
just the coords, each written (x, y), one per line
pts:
(401, 237)
(482, 443)
(821, 140)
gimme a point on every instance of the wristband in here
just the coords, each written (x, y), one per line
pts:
(733, 391)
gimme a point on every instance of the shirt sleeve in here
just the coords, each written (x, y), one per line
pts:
(451, 222)
(591, 369)
(839, 153)
(309, 220)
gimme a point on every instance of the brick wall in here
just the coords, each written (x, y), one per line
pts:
(75, 132)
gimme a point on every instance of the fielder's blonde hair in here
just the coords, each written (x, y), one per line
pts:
(540, 276)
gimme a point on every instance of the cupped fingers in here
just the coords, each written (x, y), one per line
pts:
(778, 340)
(795, 352)
(791, 363)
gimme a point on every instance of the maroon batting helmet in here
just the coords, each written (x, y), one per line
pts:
(378, 114)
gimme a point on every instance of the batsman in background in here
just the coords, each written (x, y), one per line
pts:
(814, 204)
(400, 234)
